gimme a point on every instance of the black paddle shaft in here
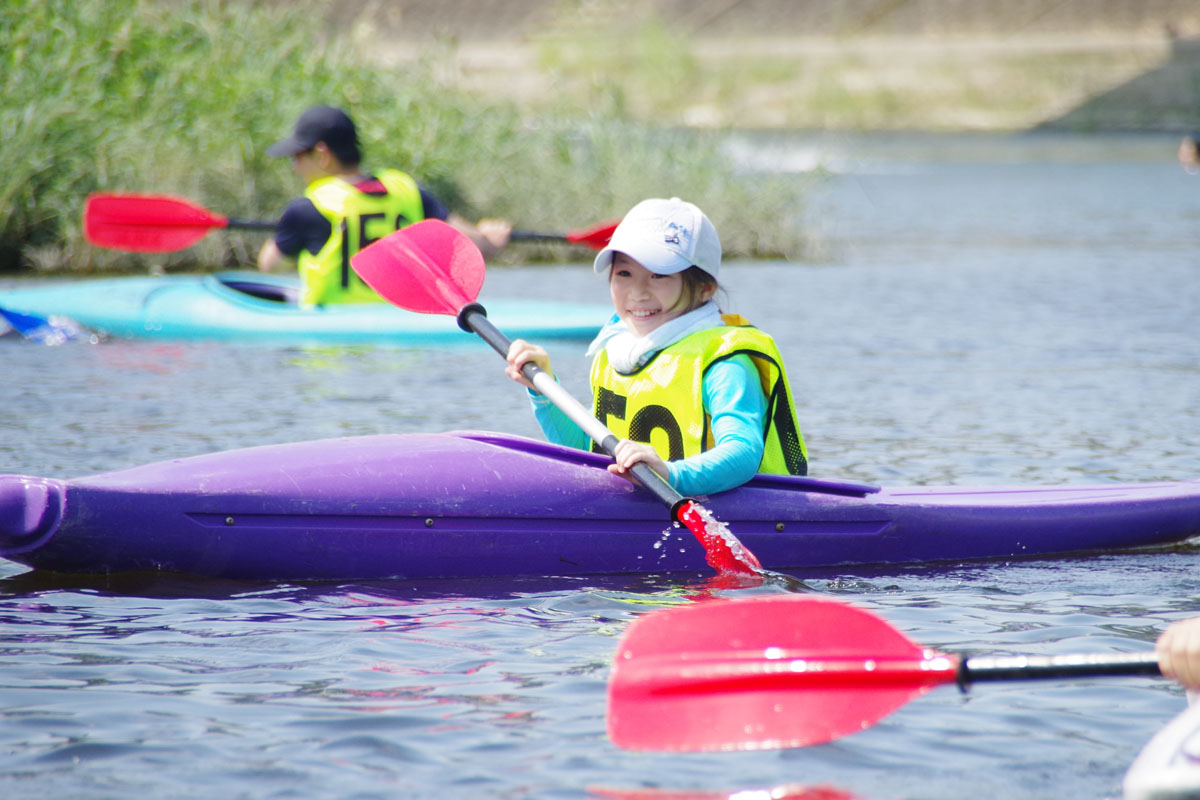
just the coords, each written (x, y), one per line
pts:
(473, 319)
(251, 224)
(535, 236)
(1008, 668)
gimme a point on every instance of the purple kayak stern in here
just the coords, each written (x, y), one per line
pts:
(30, 512)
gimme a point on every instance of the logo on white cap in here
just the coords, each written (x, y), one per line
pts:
(673, 233)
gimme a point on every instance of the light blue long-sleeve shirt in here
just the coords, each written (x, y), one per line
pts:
(733, 398)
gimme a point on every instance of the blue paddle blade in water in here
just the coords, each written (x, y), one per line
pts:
(44, 330)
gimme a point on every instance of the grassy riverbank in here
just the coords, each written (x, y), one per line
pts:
(184, 97)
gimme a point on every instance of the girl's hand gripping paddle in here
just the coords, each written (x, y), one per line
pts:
(432, 268)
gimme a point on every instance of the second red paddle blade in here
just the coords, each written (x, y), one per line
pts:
(429, 267)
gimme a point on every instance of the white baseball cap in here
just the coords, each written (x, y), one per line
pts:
(665, 236)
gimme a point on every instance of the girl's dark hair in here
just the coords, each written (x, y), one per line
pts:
(694, 282)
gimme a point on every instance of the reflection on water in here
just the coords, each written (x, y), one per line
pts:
(984, 310)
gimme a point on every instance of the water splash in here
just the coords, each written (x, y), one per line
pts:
(722, 550)
(51, 330)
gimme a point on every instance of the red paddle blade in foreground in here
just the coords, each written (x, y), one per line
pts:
(791, 671)
(428, 267)
(146, 223)
(769, 672)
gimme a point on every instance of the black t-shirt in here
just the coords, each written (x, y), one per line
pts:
(302, 227)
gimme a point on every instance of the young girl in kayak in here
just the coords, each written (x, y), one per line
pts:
(700, 397)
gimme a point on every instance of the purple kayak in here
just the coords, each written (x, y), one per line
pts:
(469, 504)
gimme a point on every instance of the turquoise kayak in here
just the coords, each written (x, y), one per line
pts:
(253, 306)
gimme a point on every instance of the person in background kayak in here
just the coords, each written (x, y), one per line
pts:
(1189, 153)
(344, 209)
(1178, 651)
(700, 397)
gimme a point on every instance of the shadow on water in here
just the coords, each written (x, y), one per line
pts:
(668, 587)
(164, 585)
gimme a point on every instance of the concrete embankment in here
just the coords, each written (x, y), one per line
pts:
(854, 64)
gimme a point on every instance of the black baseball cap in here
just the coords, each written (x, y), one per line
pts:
(319, 124)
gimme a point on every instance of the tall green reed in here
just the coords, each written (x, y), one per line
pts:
(184, 97)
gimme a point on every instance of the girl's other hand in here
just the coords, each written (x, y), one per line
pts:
(629, 453)
(522, 352)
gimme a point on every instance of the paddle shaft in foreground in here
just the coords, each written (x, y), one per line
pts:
(1014, 668)
(792, 671)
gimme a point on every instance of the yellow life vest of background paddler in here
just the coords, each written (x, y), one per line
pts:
(356, 219)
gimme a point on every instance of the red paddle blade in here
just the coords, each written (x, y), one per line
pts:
(786, 671)
(596, 237)
(429, 267)
(146, 223)
(722, 550)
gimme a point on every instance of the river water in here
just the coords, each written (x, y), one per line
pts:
(986, 309)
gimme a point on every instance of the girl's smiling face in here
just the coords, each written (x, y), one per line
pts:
(644, 300)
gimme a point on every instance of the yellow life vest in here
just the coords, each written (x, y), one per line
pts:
(356, 218)
(662, 403)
